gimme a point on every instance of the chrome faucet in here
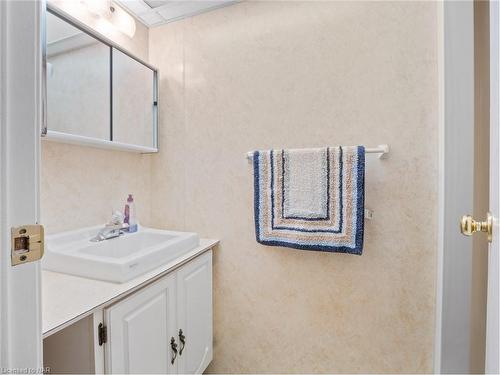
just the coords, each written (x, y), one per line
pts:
(114, 228)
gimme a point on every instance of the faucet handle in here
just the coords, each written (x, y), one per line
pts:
(116, 219)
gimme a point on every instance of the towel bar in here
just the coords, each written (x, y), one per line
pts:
(383, 150)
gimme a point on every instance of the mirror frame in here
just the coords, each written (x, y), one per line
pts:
(57, 136)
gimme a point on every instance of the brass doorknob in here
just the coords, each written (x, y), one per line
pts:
(469, 226)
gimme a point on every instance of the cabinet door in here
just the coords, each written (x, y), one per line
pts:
(140, 328)
(194, 311)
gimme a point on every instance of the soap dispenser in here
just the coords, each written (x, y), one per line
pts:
(130, 214)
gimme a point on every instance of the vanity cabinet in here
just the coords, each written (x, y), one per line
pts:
(165, 327)
(138, 329)
(133, 332)
(194, 315)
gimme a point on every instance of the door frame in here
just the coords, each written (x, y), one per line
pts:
(22, 47)
(456, 54)
(492, 364)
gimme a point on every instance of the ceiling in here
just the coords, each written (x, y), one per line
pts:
(156, 12)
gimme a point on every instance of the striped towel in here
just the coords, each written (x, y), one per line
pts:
(310, 199)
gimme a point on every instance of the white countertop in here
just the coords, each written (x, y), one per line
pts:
(68, 298)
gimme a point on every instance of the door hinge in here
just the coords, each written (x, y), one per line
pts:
(102, 334)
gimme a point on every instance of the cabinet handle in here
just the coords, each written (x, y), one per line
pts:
(173, 345)
(182, 339)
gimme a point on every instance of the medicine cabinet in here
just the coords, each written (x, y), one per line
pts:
(97, 94)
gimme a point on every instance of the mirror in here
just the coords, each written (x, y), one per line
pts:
(133, 101)
(97, 93)
(78, 90)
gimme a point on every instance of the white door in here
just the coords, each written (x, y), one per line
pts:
(492, 328)
(194, 314)
(21, 86)
(140, 330)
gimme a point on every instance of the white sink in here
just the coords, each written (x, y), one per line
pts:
(118, 259)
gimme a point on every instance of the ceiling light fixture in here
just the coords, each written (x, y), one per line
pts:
(112, 13)
(122, 20)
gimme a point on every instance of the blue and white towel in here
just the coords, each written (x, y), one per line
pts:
(310, 199)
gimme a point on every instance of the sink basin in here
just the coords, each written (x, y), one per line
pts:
(118, 259)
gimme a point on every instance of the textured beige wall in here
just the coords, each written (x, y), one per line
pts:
(81, 185)
(304, 74)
